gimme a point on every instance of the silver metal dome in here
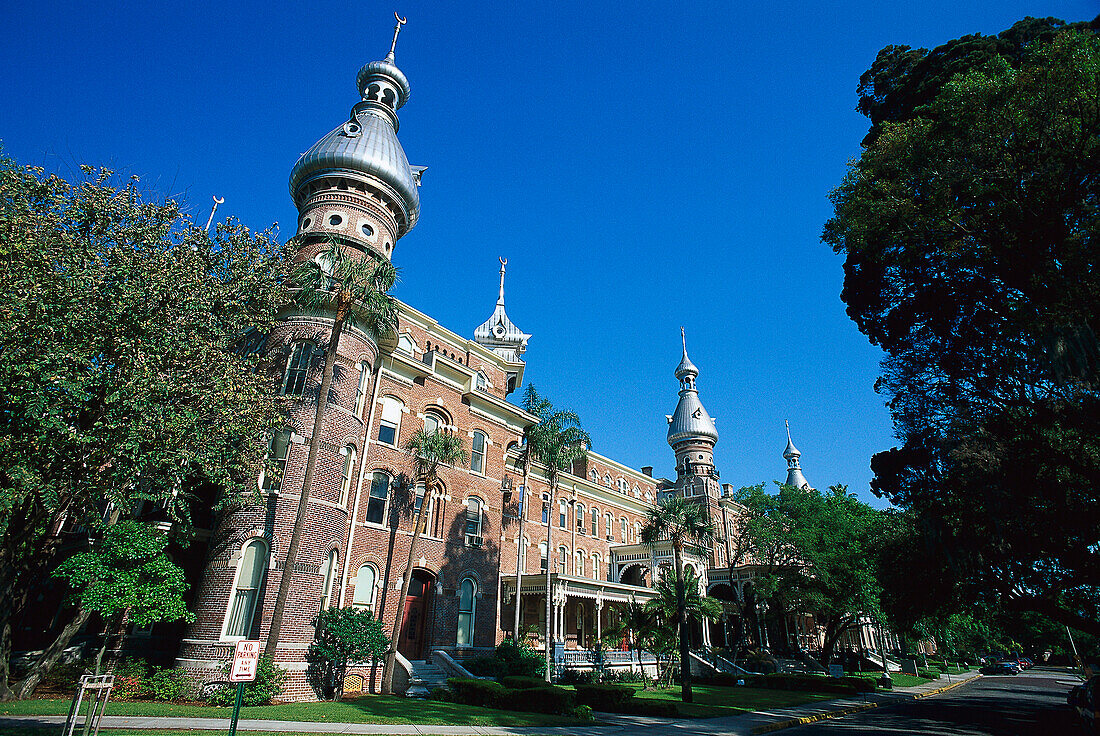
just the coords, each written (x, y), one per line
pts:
(367, 145)
(691, 421)
(384, 68)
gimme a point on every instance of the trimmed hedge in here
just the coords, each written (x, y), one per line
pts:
(604, 697)
(489, 694)
(931, 673)
(520, 682)
(791, 681)
(647, 707)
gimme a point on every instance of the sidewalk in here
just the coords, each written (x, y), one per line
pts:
(609, 725)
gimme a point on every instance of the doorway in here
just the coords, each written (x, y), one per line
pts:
(411, 642)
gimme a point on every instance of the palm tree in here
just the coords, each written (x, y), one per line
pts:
(665, 608)
(639, 624)
(428, 450)
(537, 405)
(557, 442)
(679, 522)
(355, 290)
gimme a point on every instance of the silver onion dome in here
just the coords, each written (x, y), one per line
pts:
(690, 421)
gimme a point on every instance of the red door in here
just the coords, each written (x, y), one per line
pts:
(411, 642)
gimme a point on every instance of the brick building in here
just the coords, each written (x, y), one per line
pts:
(356, 187)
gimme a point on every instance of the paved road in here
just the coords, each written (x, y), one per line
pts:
(1029, 703)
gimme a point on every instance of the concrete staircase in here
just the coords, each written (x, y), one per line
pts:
(425, 677)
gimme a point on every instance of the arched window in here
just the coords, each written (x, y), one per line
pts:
(594, 475)
(277, 452)
(523, 555)
(595, 565)
(542, 557)
(467, 595)
(622, 529)
(473, 522)
(595, 522)
(563, 559)
(477, 452)
(379, 492)
(405, 344)
(420, 494)
(250, 575)
(364, 588)
(580, 518)
(361, 389)
(637, 532)
(562, 513)
(607, 479)
(390, 422)
(434, 421)
(481, 382)
(328, 573)
(609, 526)
(294, 380)
(545, 508)
(578, 563)
(345, 478)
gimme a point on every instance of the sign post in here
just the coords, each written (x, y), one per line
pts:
(246, 660)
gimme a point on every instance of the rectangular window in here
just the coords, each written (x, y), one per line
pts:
(562, 560)
(390, 421)
(542, 557)
(345, 478)
(294, 382)
(277, 452)
(473, 522)
(580, 518)
(376, 503)
(595, 522)
(545, 509)
(562, 514)
(477, 453)
(361, 391)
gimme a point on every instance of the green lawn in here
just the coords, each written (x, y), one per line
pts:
(716, 700)
(53, 731)
(365, 709)
(903, 680)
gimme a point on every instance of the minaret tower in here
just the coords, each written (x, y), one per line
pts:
(500, 335)
(794, 469)
(692, 434)
(355, 186)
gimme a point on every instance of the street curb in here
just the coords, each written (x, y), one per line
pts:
(780, 725)
(945, 688)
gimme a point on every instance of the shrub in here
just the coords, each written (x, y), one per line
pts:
(440, 694)
(930, 673)
(653, 708)
(784, 681)
(579, 677)
(604, 697)
(519, 659)
(130, 679)
(519, 682)
(267, 685)
(468, 691)
(549, 699)
(484, 666)
(168, 685)
(583, 713)
(622, 675)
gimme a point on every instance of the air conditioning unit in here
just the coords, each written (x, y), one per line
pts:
(473, 542)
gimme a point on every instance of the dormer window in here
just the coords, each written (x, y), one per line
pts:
(405, 344)
(481, 382)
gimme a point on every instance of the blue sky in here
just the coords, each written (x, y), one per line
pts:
(642, 166)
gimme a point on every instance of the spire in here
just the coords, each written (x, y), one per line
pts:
(690, 421)
(396, 30)
(686, 371)
(498, 333)
(794, 469)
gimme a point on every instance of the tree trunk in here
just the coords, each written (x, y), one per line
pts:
(519, 544)
(682, 614)
(391, 654)
(5, 658)
(49, 657)
(303, 500)
(549, 567)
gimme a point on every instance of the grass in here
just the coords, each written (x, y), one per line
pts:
(903, 680)
(711, 701)
(53, 731)
(364, 709)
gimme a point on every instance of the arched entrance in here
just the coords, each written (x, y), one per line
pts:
(720, 630)
(411, 642)
(636, 575)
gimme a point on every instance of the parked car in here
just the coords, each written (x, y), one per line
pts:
(1082, 698)
(1001, 668)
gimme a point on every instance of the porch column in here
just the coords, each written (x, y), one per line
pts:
(706, 631)
(599, 614)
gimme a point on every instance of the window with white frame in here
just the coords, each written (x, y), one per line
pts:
(595, 522)
(328, 574)
(594, 475)
(361, 389)
(609, 526)
(421, 494)
(405, 344)
(545, 508)
(523, 555)
(390, 422)
(467, 597)
(250, 575)
(624, 487)
(580, 518)
(346, 475)
(278, 450)
(637, 532)
(365, 583)
(563, 513)
(376, 501)
(477, 452)
(595, 565)
(578, 564)
(622, 529)
(473, 522)
(294, 380)
(542, 557)
(481, 382)
(434, 422)
(563, 559)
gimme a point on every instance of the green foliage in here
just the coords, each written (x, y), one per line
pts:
(604, 697)
(489, 694)
(814, 552)
(583, 713)
(665, 606)
(127, 568)
(509, 659)
(521, 682)
(808, 683)
(135, 679)
(469, 691)
(269, 682)
(343, 635)
(969, 231)
(130, 676)
(169, 685)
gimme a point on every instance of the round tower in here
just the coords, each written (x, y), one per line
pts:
(794, 467)
(691, 431)
(355, 185)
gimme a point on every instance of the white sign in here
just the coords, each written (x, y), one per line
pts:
(246, 659)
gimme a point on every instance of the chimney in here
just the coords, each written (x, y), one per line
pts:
(647, 470)
(727, 489)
